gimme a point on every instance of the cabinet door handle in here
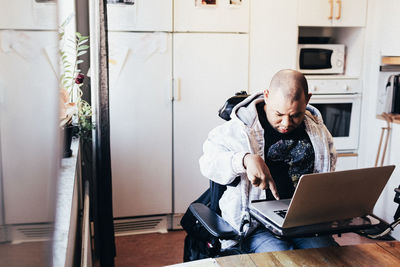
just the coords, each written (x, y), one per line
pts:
(339, 2)
(331, 4)
(177, 87)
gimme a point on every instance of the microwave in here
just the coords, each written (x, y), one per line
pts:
(321, 58)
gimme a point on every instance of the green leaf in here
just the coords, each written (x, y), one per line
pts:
(83, 47)
(81, 53)
(83, 36)
(78, 34)
(79, 62)
(83, 41)
(67, 20)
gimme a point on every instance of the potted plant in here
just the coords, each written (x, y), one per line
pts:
(75, 113)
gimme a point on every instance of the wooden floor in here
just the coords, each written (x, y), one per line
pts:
(29, 254)
(165, 249)
(150, 249)
(134, 250)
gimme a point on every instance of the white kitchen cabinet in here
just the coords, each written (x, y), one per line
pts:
(338, 13)
(223, 16)
(208, 69)
(28, 14)
(346, 161)
(148, 15)
(29, 120)
(390, 28)
(141, 122)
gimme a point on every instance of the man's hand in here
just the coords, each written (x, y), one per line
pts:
(258, 173)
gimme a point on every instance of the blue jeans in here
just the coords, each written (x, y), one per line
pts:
(262, 240)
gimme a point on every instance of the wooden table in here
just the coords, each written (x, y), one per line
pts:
(371, 254)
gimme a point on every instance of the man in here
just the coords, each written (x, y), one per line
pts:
(272, 139)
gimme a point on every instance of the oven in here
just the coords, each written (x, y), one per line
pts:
(341, 114)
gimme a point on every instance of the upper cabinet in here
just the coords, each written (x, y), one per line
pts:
(179, 15)
(148, 15)
(390, 28)
(211, 15)
(28, 15)
(337, 13)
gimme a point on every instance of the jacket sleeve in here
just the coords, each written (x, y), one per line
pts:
(223, 152)
(324, 149)
(332, 152)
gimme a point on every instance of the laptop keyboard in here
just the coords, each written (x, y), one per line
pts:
(281, 213)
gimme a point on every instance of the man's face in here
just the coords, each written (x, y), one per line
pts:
(284, 114)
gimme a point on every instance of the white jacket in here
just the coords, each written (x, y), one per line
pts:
(226, 145)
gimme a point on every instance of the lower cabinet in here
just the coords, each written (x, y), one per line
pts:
(346, 161)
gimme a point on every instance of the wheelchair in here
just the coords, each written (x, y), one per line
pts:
(205, 227)
(202, 221)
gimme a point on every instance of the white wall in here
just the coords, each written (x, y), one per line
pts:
(370, 126)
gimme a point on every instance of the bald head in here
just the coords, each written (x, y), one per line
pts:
(292, 84)
(286, 100)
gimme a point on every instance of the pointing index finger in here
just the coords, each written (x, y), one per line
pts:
(273, 189)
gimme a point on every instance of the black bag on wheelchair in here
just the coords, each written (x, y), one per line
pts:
(196, 241)
(199, 243)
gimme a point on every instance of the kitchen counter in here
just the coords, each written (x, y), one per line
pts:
(66, 209)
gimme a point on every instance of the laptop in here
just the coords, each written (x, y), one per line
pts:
(325, 203)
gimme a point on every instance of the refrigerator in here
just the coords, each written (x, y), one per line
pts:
(208, 69)
(140, 122)
(140, 68)
(167, 82)
(29, 113)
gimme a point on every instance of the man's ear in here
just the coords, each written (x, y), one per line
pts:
(266, 94)
(308, 97)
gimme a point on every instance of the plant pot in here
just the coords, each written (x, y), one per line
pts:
(67, 134)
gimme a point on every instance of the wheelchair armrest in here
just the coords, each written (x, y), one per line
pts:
(214, 223)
